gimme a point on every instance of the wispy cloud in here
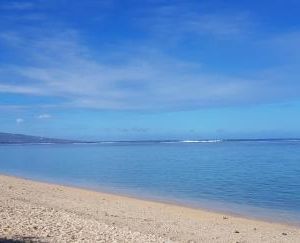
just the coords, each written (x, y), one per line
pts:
(64, 67)
(285, 46)
(175, 20)
(133, 130)
(138, 75)
(44, 116)
(17, 5)
(21, 89)
(19, 120)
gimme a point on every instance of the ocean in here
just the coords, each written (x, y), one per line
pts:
(256, 179)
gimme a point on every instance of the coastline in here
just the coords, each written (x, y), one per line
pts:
(40, 211)
(218, 208)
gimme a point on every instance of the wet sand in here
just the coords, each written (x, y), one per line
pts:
(41, 212)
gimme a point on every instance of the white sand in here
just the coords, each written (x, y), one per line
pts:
(34, 211)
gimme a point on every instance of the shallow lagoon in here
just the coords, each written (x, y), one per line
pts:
(252, 178)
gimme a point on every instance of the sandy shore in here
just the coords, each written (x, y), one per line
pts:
(34, 211)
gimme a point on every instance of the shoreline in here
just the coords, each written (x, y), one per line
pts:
(167, 201)
(127, 216)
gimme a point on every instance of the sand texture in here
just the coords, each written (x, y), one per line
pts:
(40, 212)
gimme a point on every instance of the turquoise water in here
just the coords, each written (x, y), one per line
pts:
(260, 179)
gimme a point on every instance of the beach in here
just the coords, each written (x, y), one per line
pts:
(34, 211)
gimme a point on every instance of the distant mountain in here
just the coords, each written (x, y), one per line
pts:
(10, 138)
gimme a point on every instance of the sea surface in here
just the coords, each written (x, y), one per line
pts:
(257, 179)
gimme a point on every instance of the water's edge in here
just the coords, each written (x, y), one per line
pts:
(168, 201)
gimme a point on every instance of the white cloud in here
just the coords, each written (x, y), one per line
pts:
(59, 65)
(142, 80)
(17, 5)
(176, 20)
(21, 89)
(44, 116)
(19, 120)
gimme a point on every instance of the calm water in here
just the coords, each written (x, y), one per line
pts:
(260, 179)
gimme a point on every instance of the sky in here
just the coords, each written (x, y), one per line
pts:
(151, 69)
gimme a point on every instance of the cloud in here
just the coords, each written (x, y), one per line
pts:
(285, 46)
(141, 74)
(179, 19)
(132, 130)
(19, 120)
(21, 89)
(17, 5)
(44, 116)
(144, 79)
(221, 25)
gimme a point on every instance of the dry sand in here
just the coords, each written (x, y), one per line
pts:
(33, 211)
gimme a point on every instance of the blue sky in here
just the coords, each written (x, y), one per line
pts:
(150, 69)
